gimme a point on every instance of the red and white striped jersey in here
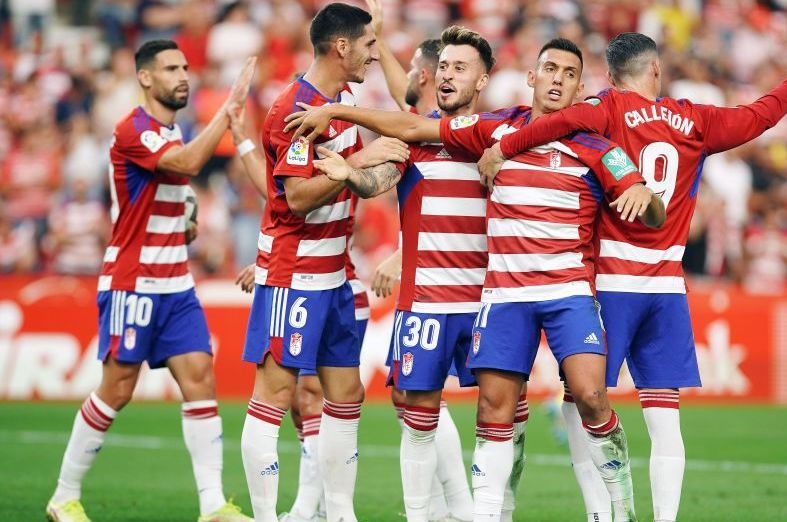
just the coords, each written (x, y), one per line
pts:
(543, 207)
(442, 211)
(362, 307)
(305, 253)
(147, 251)
(670, 140)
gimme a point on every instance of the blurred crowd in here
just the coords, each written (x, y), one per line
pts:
(67, 76)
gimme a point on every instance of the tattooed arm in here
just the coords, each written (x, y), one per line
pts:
(367, 183)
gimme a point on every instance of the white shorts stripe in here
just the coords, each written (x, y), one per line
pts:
(272, 313)
(112, 311)
(449, 242)
(535, 196)
(621, 250)
(534, 262)
(439, 206)
(283, 316)
(504, 227)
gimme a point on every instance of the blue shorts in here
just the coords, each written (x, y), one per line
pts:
(303, 329)
(135, 327)
(426, 346)
(652, 332)
(506, 335)
(360, 325)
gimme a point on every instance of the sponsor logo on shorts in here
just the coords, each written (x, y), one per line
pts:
(130, 338)
(273, 469)
(476, 471)
(298, 154)
(476, 342)
(296, 341)
(407, 363)
(460, 122)
(554, 159)
(592, 339)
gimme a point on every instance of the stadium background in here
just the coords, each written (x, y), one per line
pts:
(67, 76)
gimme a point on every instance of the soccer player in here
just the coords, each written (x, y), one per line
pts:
(148, 309)
(303, 316)
(639, 276)
(551, 288)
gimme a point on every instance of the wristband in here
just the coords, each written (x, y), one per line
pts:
(245, 147)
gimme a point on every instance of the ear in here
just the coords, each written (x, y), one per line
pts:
(610, 79)
(482, 82)
(342, 47)
(423, 77)
(531, 78)
(580, 90)
(655, 67)
(144, 78)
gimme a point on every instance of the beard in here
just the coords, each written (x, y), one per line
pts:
(411, 96)
(171, 100)
(455, 105)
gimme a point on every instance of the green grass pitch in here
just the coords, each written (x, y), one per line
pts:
(736, 470)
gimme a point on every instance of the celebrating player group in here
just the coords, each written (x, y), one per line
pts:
(568, 217)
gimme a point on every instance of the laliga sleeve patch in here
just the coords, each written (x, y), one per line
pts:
(152, 141)
(460, 122)
(298, 153)
(618, 163)
(593, 101)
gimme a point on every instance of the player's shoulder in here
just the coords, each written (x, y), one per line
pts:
(133, 123)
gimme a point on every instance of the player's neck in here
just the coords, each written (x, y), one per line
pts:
(644, 87)
(162, 114)
(328, 79)
(426, 104)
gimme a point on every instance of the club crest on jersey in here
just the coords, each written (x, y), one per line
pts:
(460, 122)
(298, 154)
(130, 338)
(476, 342)
(618, 163)
(152, 140)
(296, 341)
(407, 363)
(554, 159)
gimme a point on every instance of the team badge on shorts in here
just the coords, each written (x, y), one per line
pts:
(296, 340)
(554, 159)
(130, 338)
(407, 363)
(476, 342)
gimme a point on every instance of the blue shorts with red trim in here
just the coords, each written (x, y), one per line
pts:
(425, 347)
(134, 327)
(303, 329)
(653, 334)
(360, 325)
(506, 335)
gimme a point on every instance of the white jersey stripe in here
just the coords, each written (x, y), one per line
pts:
(166, 224)
(640, 284)
(442, 308)
(343, 141)
(448, 170)
(534, 262)
(535, 196)
(171, 193)
(571, 171)
(265, 243)
(357, 286)
(504, 227)
(164, 285)
(449, 276)
(301, 281)
(111, 254)
(104, 283)
(535, 292)
(446, 242)
(361, 314)
(166, 255)
(329, 213)
(437, 206)
(621, 250)
(332, 246)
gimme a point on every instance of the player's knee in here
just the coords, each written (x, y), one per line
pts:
(199, 384)
(491, 408)
(118, 395)
(592, 404)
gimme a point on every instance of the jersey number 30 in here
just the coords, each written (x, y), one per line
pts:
(658, 164)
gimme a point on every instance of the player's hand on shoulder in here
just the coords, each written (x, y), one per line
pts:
(245, 278)
(633, 203)
(332, 165)
(489, 165)
(310, 122)
(386, 275)
(381, 150)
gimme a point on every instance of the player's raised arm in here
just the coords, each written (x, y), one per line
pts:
(250, 156)
(395, 75)
(189, 159)
(312, 121)
(725, 128)
(366, 183)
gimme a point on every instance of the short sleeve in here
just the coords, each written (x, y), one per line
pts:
(613, 167)
(293, 158)
(145, 148)
(471, 134)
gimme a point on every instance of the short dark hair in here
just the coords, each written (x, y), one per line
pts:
(430, 52)
(628, 54)
(562, 44)
(148, 51)
(458, 35)
(334, 21)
